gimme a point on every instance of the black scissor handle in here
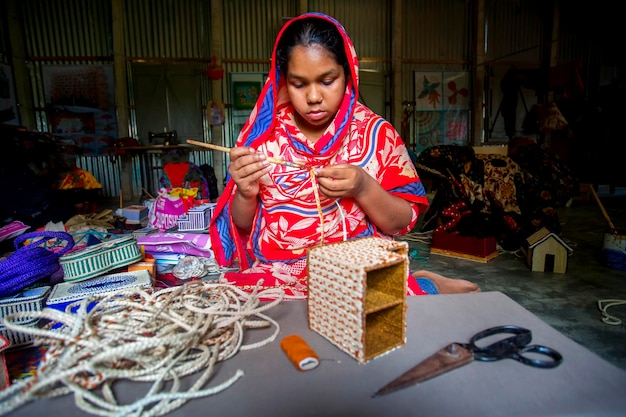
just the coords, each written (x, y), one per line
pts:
(514, 347)
(555, 357)
(501, 349)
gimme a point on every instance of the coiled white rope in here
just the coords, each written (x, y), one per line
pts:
(604, 305)
(140, 335)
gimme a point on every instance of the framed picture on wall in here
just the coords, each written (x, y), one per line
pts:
(442, 108)
(246, 94)
(245, 88)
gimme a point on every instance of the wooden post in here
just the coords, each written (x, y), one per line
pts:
(119, 65)
(21, 74)
(396, 66)
(217, 132)
(121, 98)
(478, 75)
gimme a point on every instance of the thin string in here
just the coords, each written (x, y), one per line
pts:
(318, 202)
(141, 335)
(343, 220)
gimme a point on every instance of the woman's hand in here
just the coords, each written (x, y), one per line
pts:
(389, 213)
(246, 167)
(342, 180)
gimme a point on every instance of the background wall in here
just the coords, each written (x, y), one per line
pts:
(158, 52)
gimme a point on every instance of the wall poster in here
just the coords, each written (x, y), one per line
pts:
(81, 105)
(442, 108)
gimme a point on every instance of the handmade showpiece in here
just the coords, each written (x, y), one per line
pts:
(357, 295)
(99, 259)
(31, 299)
(66, 293)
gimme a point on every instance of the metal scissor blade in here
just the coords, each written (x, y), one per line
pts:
(451, 357)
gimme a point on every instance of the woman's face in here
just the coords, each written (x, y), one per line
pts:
(316, 84)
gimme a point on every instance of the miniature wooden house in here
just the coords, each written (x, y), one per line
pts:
(546, 252)
(357, 295)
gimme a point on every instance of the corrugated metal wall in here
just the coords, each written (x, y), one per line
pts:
(64, 32)
(67, 28)
(368, 23)
(513, 29)
(79, 32)
(437, 35)
(167, 29)
(69, 32)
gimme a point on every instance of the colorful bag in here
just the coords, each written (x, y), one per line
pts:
(30, 263)
(169, 206)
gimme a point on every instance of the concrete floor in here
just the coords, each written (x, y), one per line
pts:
(567, 302)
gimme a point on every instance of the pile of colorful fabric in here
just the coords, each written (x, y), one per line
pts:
(179, 256)
(508, 197)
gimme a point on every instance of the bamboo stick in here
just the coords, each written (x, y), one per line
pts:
(210, 146)
(604, 213)
(227, 150)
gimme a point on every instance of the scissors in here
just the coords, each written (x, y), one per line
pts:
(516, 346)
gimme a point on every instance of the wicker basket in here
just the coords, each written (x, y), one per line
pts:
(30, 300)
(99, 259)
(66, 293)
(197, 218)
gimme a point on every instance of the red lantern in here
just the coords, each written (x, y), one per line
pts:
(214, 71)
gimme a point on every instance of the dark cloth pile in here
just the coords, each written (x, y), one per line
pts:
(508, 197)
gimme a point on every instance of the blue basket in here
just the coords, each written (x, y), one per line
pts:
(614, 251)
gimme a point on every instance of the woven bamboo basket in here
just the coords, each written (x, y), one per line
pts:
(30, 300)
(99, 259)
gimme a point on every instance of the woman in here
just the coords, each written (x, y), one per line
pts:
(312, 165)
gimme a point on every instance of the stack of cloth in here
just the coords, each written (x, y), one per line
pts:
(180, 256)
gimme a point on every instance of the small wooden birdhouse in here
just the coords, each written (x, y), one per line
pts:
(547, 252)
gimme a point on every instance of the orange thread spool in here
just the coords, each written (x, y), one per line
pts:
(299, 352)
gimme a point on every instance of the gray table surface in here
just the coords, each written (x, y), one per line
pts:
(583, 385)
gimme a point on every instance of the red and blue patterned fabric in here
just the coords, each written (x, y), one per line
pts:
(292, 215)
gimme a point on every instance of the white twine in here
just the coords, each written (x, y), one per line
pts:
(140, 335)
(196, 267)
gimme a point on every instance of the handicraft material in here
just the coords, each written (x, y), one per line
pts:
(299, 353)
(13, 229)
(196, 244)
(357, 295)
(196, 218)
(66, 293)
(5, 379)
(32, 262)
(195, 267)
(227, 150)
(141, 336)
(99, 259)
(29, 300)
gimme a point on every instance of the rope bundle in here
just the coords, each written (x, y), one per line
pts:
(195, 267)
(141, 336)
(32, 262)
